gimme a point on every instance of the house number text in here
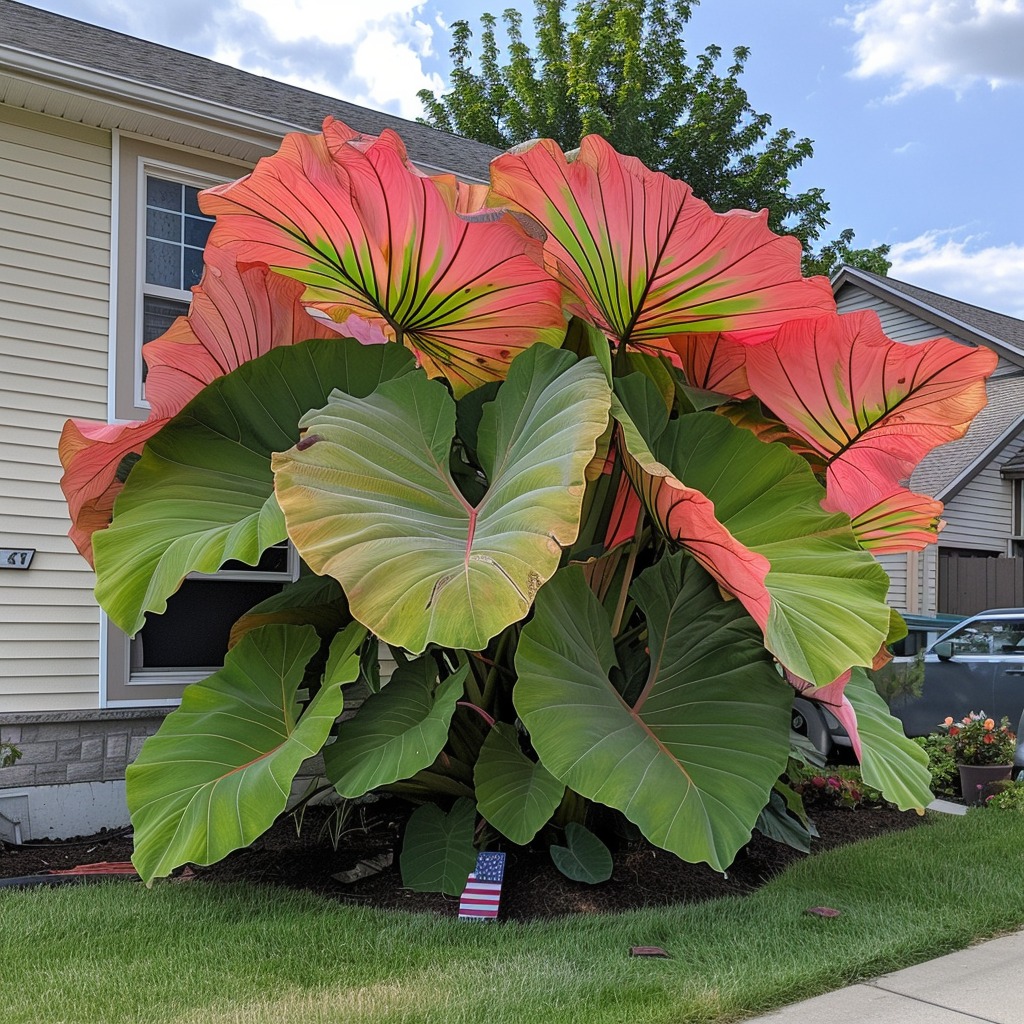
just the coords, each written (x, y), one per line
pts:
(16, 558)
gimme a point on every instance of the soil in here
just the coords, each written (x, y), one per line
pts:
(306, 859)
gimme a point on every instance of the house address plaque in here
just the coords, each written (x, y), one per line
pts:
(16, 558)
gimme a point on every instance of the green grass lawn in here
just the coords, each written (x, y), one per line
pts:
(203, 954)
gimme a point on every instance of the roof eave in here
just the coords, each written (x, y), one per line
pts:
(968, 473)
(252, 135)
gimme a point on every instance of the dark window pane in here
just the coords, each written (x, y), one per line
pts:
(193, 270)
(192, 202)
(165, 194)
(163, 263)
(193, 632)
(160, 224)
(196, 231)
(158, 315)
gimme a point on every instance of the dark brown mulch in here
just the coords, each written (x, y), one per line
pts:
(643, 876)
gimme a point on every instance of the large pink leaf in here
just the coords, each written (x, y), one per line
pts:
(370, 236)
(647, 259)
(238, 312)
(871, 406)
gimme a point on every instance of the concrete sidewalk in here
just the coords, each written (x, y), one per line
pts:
(982, 983)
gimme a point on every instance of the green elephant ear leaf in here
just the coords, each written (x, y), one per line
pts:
(584, 858)
(310, 601)
(691, 762)
(370, 499)
(751, 514)
(220, 768)
(203, 491)
(437, 852)
(889, 761)
(397, 732)
(516, 795)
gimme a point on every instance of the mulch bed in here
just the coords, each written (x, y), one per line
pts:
(643, 876)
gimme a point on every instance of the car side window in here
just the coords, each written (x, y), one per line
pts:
(989, 636)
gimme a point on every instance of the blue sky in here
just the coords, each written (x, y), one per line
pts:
(916, 107)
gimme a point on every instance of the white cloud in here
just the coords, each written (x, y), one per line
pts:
(950, 43)
(371, 54)
(963, 268)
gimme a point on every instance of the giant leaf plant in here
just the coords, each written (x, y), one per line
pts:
(600, 466)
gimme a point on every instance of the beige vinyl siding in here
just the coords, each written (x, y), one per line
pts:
(979, 516)
(54, 296)
(896, 567)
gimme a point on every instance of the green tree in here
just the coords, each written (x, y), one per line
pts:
(619, 68)
(838, 253)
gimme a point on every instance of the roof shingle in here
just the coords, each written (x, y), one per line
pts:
(68, 40)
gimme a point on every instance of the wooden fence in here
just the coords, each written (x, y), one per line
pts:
(970, 585)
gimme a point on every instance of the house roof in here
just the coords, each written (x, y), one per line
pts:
(948, 468)
(43, 56)
(1002, 333)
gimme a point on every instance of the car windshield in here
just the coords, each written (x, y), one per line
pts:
(989, 636)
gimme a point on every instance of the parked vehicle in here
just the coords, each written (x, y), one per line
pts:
(977, 664)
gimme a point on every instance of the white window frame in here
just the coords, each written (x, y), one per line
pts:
(121, 684)
(133, 160)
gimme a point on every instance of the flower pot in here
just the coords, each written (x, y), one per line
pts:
(975, 777)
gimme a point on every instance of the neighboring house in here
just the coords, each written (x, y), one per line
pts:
(977, 562)
(104, 142)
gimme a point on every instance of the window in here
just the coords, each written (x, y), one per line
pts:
(158, 253)
(175, 236)
(989, 636)
(157, 259)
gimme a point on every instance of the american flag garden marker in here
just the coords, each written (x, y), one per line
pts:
(479, 900)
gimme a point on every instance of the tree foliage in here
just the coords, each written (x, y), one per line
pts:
(620, 69)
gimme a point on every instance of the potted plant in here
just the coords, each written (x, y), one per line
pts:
(982, 750)
(9, 753)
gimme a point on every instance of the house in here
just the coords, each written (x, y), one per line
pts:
(104, 142)
(977, 562)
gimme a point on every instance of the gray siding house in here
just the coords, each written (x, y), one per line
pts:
(975, 564)
(96, 127)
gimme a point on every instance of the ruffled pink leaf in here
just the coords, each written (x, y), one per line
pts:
(238, 312)
(901, 521)
(871, 406)
(645, 258)
(369, 236)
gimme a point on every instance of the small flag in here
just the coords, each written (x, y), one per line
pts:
(479, 900)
